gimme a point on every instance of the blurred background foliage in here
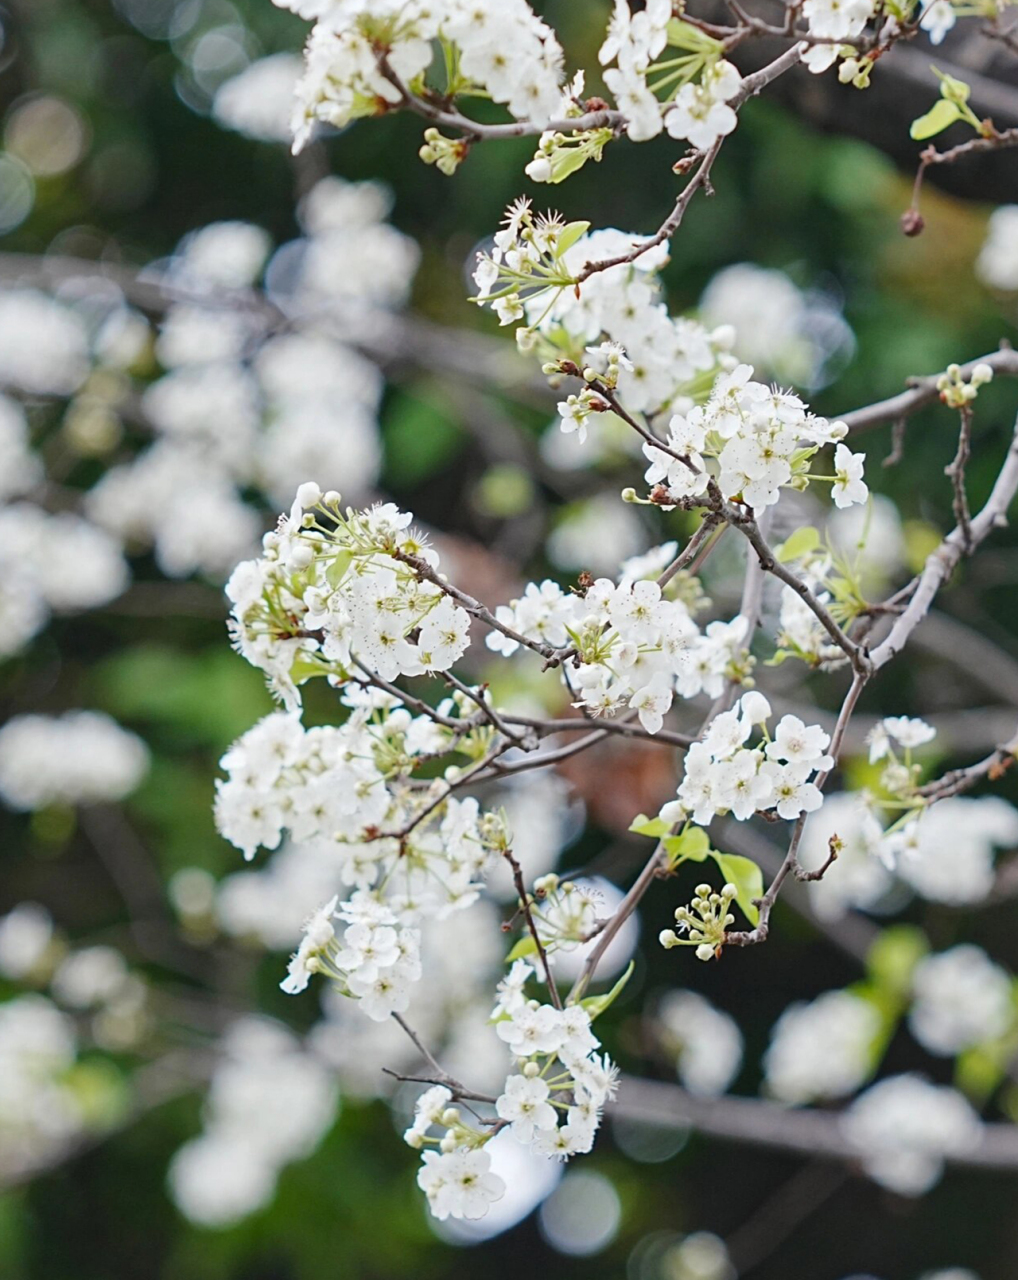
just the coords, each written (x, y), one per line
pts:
(147, 165)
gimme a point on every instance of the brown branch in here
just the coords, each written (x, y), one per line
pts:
(472, 606)
(923, 391)
(992, 140)
(955, 472)
(455, 1087)
(526, 908)
(942, 562)
(751, 86)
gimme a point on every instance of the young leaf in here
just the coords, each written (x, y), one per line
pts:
(951, 89)
(641, 825)
(800, 544)
(525, 947)
(748, 880)
(336, 571)
(939, 117)
(693, 844)
(683, 35)
(569, 235)
(596, 1005)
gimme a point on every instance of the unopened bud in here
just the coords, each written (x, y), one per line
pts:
(912, 222)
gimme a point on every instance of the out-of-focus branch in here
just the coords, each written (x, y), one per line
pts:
(758, 1123)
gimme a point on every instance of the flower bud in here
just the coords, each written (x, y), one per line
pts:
(982, 373)
(531, 1070)
(539, 169)
(450, 1116)
(309, 494)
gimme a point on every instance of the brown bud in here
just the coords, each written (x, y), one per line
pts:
(584, 582)
(567, 366)
(660, 496)
(912, 222)
(596, 104)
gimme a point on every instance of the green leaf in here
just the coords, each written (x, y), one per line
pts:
(800, 544)
(569, 235)
(525, 947)
(336, 571)
(939, 117)
(952, 90)
(596, 1005)
(566, 162)
(301, 670)
(748, 880)
(641, 825)
(693, 845)
(896, 952)
(683, 35)
(979, 1070)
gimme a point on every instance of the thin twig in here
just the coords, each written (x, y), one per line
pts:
(526, 908)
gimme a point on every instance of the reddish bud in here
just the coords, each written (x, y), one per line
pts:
(912, 222)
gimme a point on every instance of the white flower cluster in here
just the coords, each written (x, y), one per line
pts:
(903, 1127)
(501, 50)
(824, 1049)
(93, 982)
(448, 1011)
(258, 103)
(834, 21)
(637, 647)
(565, 913)
(724, 775)
(938, 18)
(761, 440)
(960, 999)
(698, 112)
(949, 855)
(44, 348)
(795, 335)
(40, 1112)
(706, 1042)
(551, 1101)
(81, 757)
(52, 564)
(335, 589)
(344, 788)
(20, 468)
(27, 942)
(241, 407)
(270, 1103)
(800, 631)
(529, 276)
(997, 264)
(374, 962)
